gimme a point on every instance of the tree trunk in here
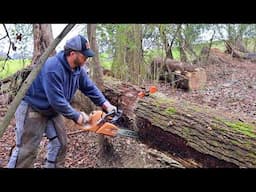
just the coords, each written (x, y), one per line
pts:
(133, 53)
(169, 48)
(43, 36)
(97, 69)
(183, 56)
(211, 138)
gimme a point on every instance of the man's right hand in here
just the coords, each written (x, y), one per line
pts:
(83, 118)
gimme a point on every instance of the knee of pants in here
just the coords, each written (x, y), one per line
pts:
(55, 145)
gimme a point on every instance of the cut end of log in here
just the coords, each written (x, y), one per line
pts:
(197, 79)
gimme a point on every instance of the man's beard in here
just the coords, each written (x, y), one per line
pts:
(77, 63)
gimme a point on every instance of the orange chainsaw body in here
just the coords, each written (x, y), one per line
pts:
(96, 126)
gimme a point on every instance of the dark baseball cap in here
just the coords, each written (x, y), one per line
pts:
(81, 44)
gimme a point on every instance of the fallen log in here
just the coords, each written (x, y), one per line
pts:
(188, 80)
(178, 74)
(211, 138)
(235, 52)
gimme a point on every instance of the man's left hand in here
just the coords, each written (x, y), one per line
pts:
(108, 107)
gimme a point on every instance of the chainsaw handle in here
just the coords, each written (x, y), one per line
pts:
(114, 114)
(117, 116)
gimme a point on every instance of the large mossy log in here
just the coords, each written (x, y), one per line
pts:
(212, 138)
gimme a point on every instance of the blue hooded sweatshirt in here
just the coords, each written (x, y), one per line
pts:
(55, 86)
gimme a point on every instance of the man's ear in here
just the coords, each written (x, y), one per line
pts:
(72, 52)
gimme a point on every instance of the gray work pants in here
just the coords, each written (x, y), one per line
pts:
(30, 128)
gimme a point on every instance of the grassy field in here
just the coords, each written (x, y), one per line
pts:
(12, 66)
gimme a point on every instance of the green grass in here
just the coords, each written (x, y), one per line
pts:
(105, 61)
(12, 66)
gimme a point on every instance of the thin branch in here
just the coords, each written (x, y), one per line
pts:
(9, 48)
(175, 35)
(210, 46)
(3, 37)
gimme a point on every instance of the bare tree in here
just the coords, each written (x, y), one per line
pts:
(134, 56)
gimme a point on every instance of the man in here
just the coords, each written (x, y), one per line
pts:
(48, 99)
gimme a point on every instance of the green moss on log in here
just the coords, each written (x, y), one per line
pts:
(241, 127)
(170, 111)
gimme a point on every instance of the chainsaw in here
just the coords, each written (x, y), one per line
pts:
(106, 124)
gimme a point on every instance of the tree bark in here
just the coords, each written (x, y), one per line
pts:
(183, 56)
(30, 79)
(169, 48)
(133, 53)
(43, 36)
(208, 136)
(97, 69)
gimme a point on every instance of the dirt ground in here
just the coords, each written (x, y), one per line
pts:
(231, 87)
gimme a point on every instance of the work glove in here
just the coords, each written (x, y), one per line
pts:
(83, 118)
(108, 107)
